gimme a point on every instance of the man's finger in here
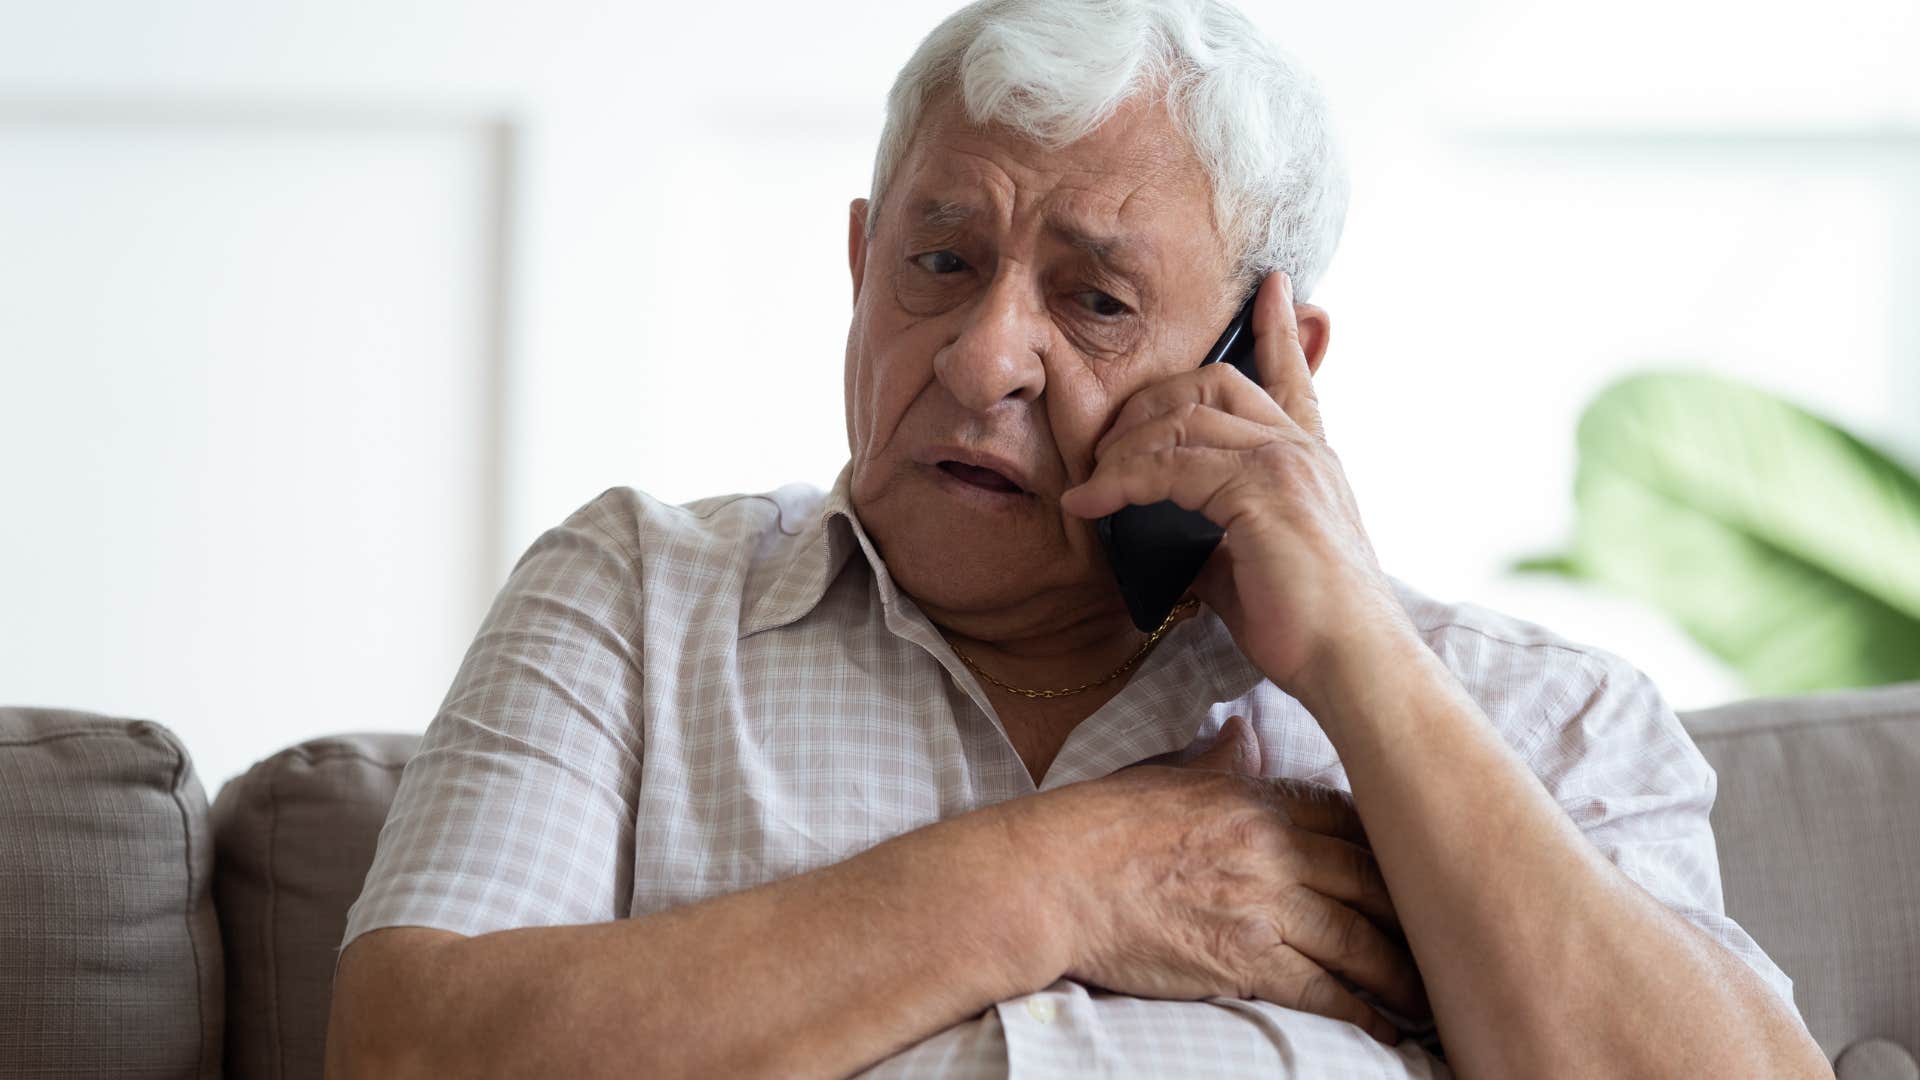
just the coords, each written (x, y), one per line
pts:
(1346, 872)
(1278, 356)
(1299, 983)
(1188, 475)
(1341, 940)
(1235, 749)
(1200, 425)
(1217, 386)
(1319, 808)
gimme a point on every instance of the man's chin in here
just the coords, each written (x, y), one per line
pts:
(958, 551)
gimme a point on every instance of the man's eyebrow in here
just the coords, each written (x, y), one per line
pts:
(944, 214)
(1119, 250)
(1101, 246)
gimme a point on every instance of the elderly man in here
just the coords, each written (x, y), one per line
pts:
(885, 777)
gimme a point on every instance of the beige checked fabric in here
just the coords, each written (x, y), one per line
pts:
(670, 703)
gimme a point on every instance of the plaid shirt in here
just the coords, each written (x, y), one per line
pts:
(668, 703)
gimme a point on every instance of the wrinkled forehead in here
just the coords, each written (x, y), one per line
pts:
(1133, 184)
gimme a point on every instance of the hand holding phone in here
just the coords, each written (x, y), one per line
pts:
(1157, 551)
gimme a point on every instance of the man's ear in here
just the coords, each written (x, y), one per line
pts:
(857, 243)
(1316, 326)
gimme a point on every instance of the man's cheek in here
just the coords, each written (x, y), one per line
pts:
(1079, 412)
(883, 399)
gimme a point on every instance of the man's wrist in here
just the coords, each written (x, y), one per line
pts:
(1360, 672)
(1040, 878)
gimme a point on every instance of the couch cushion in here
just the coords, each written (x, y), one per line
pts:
(296, 834)
(110, 960)
(1818, 826)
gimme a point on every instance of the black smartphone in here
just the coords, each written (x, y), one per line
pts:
(1156, 551)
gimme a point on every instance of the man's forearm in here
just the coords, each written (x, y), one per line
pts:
(819, 974)
(1539, 956)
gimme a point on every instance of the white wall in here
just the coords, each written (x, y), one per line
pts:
(313, 315)
(250, 481)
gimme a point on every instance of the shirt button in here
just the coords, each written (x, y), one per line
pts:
(1041, 1009)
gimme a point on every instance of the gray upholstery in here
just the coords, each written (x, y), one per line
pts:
(1818, 826)
(295, 835)
(110, 951)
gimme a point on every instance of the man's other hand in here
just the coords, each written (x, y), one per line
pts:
(1200, 879)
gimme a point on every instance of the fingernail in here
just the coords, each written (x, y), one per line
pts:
(1286, 286)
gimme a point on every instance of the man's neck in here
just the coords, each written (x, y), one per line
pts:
(1087, 651)
(1059, 645)
(1039, 728)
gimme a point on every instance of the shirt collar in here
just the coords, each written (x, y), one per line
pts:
(819, 549)
(1198, 657)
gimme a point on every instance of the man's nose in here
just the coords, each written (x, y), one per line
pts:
(997, 354)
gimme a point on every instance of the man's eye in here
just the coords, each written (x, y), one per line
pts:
(940, 262)
(1101, 304)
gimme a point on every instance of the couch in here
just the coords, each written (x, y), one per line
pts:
(146, 934)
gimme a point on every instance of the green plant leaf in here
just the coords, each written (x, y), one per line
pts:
(1785, 545)
(1563, 565)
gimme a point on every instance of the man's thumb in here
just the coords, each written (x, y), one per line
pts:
(1235, 749)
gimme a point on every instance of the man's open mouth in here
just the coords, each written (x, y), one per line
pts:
(980, 477)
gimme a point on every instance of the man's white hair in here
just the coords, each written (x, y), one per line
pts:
(1054, 70)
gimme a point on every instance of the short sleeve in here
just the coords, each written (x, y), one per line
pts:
(518, 809)
(1621, 765)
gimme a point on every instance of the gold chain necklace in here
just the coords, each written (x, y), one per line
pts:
(1179, 609)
